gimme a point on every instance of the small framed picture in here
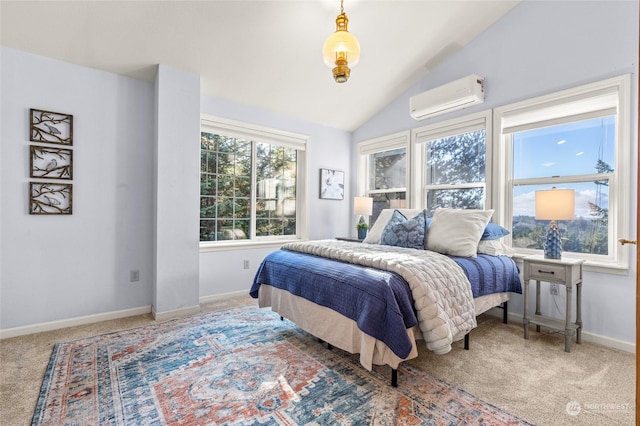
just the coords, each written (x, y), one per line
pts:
(50, 127)
(50, 198)
(51, 163)
(331, 184)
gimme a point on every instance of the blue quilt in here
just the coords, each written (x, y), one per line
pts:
(490, 274)
(378, 301)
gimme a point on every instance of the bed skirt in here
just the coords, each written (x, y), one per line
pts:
(342, 332)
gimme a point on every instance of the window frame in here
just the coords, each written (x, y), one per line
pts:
(421, 135)
(547, 108)
(382, 144)
(262, 134)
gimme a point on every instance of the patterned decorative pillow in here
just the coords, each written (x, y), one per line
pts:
(403, 232)
(375, 231)
(493, 231)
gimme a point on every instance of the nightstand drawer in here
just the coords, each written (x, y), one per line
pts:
(546, 272)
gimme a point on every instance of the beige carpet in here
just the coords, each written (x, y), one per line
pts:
(533, 379)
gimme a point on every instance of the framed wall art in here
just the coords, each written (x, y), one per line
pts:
(50, 127)
(331, 184)
(50, 198)
(51, 163)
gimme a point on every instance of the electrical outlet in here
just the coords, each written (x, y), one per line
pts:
(553, 289)
(245, 264)
(134, 275)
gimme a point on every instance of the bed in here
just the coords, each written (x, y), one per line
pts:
(379, 300)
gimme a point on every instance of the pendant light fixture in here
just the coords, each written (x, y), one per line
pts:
(341, 50)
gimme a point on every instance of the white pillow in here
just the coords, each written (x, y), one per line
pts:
(457, 231)
(375, 233)
(495, 248)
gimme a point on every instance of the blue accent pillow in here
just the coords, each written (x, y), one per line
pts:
(493, 231)
(403, 232)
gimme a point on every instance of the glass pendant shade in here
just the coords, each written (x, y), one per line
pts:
(341, 50)
(341, 44)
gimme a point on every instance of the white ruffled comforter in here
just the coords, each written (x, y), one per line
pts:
(440, 289)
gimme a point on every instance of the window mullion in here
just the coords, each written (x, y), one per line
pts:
(387, 190)
(254, 189)
(562, 179)
(455, 186)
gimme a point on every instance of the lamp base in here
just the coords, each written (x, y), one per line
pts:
(362, 232)
(552, 243)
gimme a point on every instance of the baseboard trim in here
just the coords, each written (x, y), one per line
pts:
(72, 322)
(161, 316)
(609, 342)
(106, 316)
(175, 313)
(217, 297)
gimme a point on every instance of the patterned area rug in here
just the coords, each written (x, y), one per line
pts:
(239, 367)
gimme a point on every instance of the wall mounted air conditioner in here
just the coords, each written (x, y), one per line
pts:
(452, 96)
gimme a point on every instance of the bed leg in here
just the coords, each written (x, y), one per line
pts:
(466, 341)
(505, 311)
(394, 377)
(329, 345)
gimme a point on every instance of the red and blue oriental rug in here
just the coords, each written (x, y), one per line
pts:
(239, 367)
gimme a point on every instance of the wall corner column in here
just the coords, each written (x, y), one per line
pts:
(177, 195)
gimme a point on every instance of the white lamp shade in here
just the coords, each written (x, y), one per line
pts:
(341, 44)
(555, 204)
(363, 206)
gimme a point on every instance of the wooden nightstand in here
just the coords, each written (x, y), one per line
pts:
(566, 272)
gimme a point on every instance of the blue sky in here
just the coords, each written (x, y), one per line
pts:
(563, 150)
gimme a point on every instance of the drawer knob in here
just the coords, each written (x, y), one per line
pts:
(540, 271)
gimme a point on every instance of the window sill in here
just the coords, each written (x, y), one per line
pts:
(244, 245)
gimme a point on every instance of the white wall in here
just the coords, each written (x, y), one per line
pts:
(222, 271)
(57, 267)
(538, 48)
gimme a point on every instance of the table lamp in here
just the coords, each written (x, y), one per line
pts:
(364, 207)
(554, 204)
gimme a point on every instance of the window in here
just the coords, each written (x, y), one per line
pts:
(576, 139)
(249, 177)
(383, 171)
(451, 163)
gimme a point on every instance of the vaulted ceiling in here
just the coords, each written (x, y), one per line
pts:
(265, 54)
